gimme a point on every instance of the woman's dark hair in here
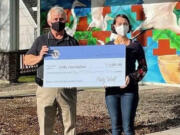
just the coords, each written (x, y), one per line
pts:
(114, 22)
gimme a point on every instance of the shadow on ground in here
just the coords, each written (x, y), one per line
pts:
(173, 122)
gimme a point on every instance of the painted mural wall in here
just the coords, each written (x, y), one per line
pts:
(155, 25)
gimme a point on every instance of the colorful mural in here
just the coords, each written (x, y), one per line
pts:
(159, 24)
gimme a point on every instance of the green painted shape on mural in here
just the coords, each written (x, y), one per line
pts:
(79, 35)
(71, 22)
(82, 35)
(177, 13)
(167, 34)
(96, 29)
(107, 39)
(43, 21)
(67, 24)
(92, 41)
(89, 18)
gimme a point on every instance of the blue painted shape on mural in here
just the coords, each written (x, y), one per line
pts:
(178, 52)
(47, 4)
(125, 9)
(82, 11)
(153, 74)
(122, 2)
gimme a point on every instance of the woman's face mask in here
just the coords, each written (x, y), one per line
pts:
(122, 29)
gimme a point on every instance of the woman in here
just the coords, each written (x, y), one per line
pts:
(122, 101)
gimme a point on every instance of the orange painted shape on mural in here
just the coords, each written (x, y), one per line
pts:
(83, 24)
(164, 48)
(106, 10)
(139, 12)
(142, 38)
(178, 6)
(68, 12)
(101, 35)
(83, 42)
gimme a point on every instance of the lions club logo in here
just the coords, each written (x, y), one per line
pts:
(55, 54)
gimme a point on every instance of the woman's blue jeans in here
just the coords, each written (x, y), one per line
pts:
(122, 109)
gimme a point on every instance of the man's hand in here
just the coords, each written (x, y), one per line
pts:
(126, 82)
(44, 50)
(31, 59)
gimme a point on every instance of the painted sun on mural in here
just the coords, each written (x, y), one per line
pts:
(155, 25)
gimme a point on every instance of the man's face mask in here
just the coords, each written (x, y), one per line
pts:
(58, 26)
(122, 29)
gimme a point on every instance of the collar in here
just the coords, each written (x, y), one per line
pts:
(51, 36)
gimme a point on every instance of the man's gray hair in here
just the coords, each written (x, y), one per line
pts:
(59, 9)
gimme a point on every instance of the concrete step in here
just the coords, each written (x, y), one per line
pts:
(175, 131)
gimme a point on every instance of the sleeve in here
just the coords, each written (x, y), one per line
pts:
(34, 49)
(76, 42)
(73, 41)
(142, 66)
(110, 43)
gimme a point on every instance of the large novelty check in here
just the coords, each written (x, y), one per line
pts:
(85, 66)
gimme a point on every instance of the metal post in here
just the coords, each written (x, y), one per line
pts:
(38, 17)
(14, 25)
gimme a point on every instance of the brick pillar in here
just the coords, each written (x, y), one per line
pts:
(9, 66)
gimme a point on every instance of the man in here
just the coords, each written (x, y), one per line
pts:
(51, 99)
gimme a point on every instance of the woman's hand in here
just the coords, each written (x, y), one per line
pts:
(117, 41)
(121, 40)
(126, 82)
